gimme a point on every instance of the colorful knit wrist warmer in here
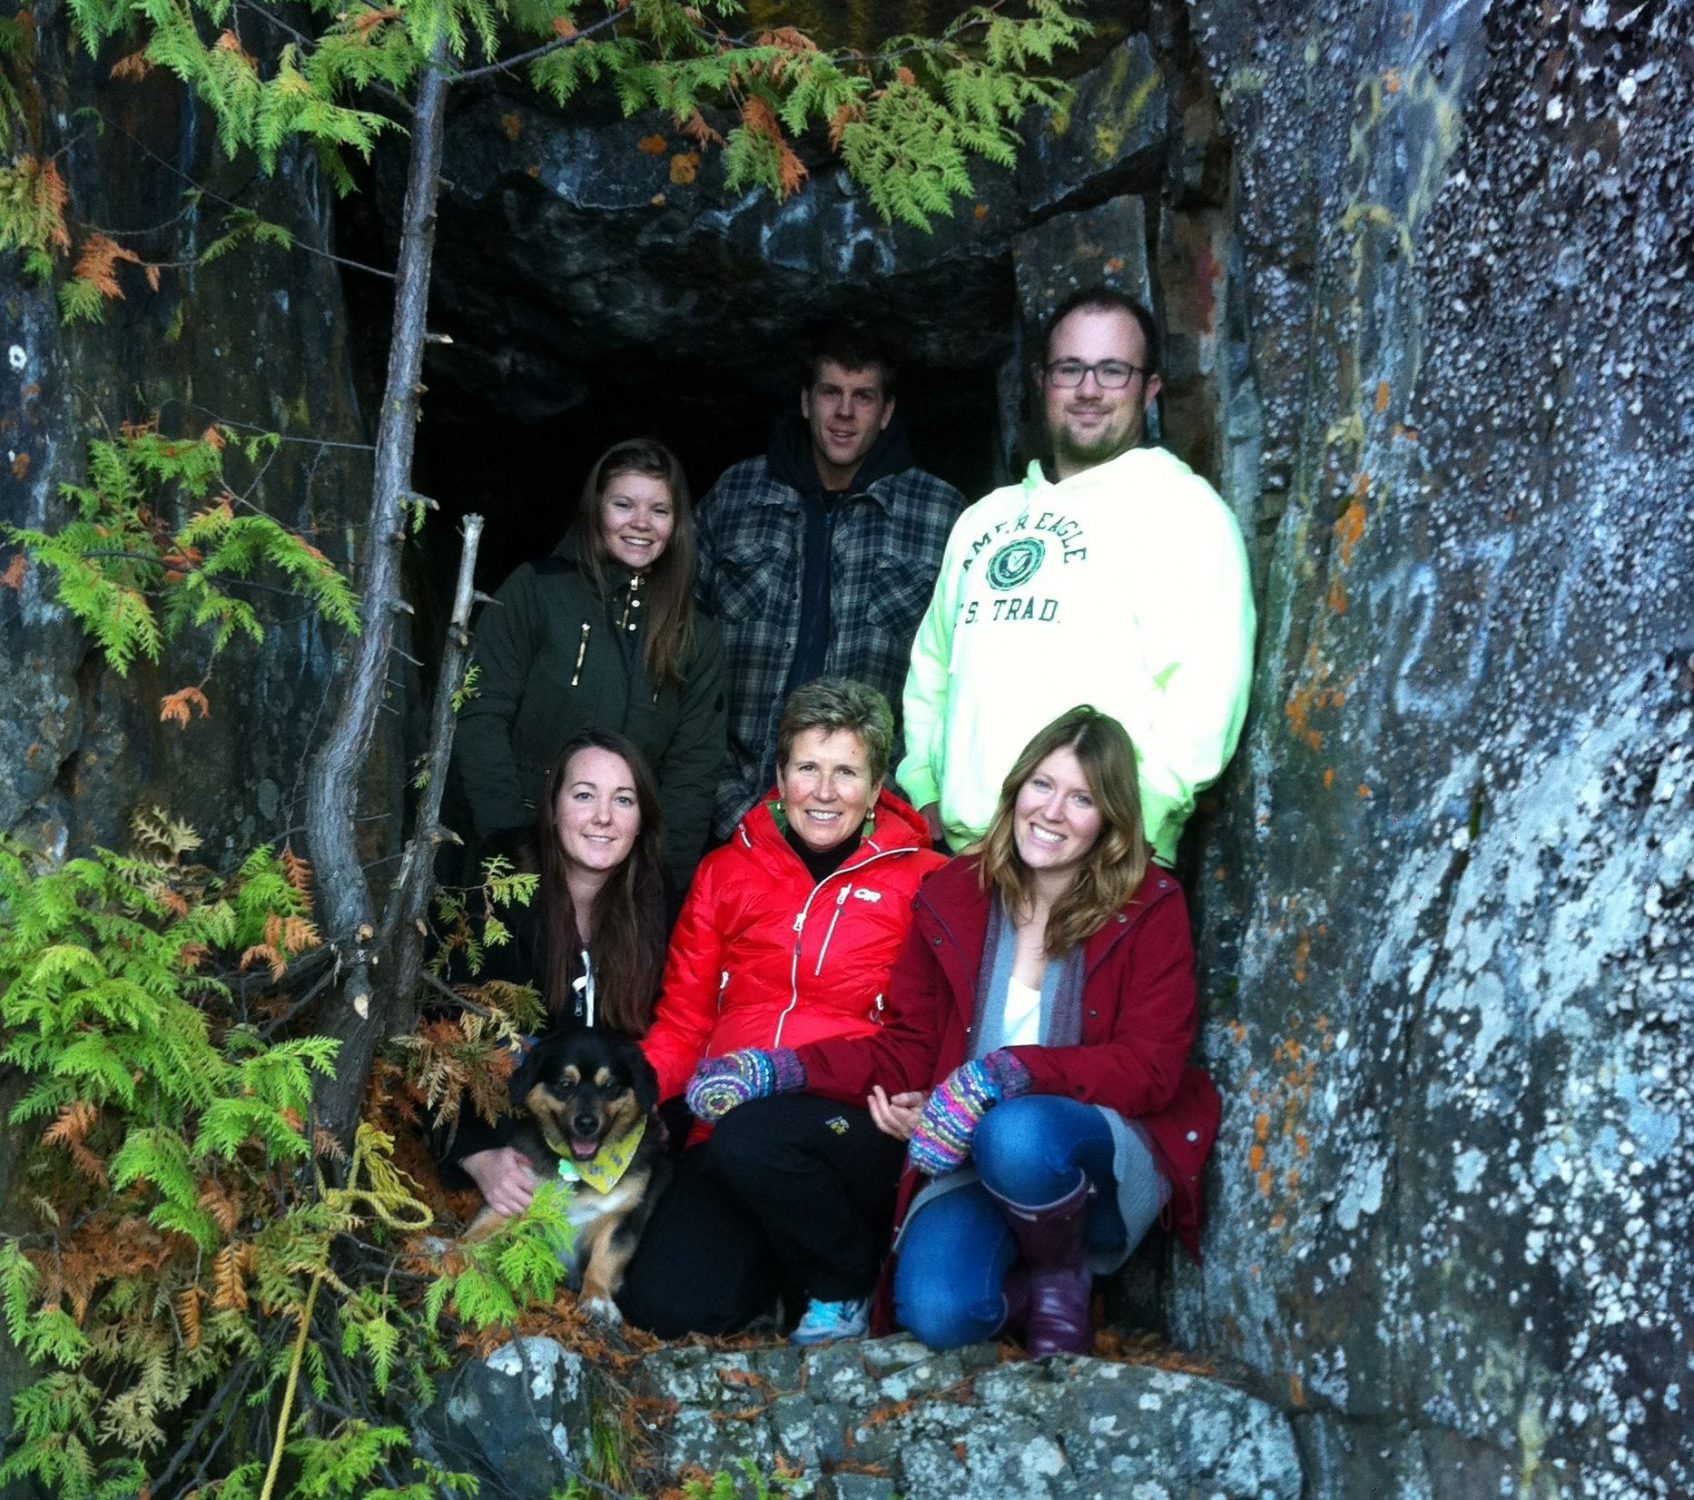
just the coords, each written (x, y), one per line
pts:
(1010, 1076)
(721, 1083)
(942, 1140)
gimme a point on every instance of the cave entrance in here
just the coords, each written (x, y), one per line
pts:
(525, 475)
(596, 283)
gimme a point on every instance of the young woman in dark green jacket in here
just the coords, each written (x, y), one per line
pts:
(603, 634)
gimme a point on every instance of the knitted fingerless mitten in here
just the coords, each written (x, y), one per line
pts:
(942, 1139)
(721, 1083)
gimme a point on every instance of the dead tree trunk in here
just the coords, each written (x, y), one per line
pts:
(360, 1014)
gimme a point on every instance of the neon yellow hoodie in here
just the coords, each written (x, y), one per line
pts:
(1124, 586)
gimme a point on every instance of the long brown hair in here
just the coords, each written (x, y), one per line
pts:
(1112, 871)
(670, 581)
(627, 929)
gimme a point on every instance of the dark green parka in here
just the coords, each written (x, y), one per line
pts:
(556, 658)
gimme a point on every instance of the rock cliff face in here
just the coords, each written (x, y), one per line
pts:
(1445, 923)
(256, 339)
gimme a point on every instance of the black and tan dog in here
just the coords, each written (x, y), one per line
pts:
(585, 1101)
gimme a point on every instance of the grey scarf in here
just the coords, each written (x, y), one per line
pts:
(1061, 990)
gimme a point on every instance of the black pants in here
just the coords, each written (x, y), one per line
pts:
(791, 1194)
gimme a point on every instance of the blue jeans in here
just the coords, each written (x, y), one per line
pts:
(954, 1255)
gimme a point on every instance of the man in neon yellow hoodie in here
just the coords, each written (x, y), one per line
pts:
(1122, 583)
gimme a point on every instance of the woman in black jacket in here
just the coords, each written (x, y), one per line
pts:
(604, 634)
(600, 931)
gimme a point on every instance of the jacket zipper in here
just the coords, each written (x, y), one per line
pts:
(800, 922)
(835, 916)
(581, 652)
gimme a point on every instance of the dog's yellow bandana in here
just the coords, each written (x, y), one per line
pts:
(603, 1170)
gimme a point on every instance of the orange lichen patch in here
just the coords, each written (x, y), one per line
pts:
(1391, 80)
(1328, 777)
(1296, 1391)
(1261, 1127)
(1237, 1032)
(1115, 264)
(1256, 1159)
(1381, 397)
(1364, 791)
(1277, 1220)
(1291, 1179)
(511, 125)
(1350, 525)
(653, 145)
(1302, 951)
(13, 579)
(20, 466)
(980, 212)
(1298, 710)
(533, 169)
(1267, 1180)
(685, 167)
(1302, 1146)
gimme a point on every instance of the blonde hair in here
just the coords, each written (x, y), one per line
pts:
(1112, 871)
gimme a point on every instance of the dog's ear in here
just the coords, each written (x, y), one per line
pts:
(531, 1070)
(643, 1080)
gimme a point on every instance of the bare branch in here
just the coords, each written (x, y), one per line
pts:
(558, 44)
(410, 893)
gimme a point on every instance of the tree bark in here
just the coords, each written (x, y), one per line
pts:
(358, 1016)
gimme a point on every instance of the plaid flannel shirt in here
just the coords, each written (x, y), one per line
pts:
(884, 556)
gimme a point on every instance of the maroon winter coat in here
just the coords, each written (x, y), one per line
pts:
(1138, 1022)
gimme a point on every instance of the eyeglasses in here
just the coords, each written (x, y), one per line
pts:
(1109, 374)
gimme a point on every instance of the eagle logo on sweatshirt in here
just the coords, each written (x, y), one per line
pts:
(1014, 562)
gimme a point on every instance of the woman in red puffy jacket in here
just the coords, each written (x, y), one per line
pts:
(1042, 1013)
(786, 938)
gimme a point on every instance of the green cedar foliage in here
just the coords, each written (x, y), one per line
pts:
(906, 118)
(187, 1260)
(136, 580)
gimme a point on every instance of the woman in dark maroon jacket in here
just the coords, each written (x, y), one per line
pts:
(1041, 1014)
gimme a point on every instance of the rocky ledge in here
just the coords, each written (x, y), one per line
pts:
(873, 1420)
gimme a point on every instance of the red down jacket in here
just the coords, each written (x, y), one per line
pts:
(1138, 1024)
(762, 957)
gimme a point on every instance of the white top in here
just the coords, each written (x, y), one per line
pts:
(1023, 1016)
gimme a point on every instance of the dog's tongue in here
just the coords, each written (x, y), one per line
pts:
(583, 1150)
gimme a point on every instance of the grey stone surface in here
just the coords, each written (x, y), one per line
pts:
(519, 1419)
(934, 1427)
(1445, 927)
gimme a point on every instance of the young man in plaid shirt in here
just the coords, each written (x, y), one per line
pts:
(818, 556)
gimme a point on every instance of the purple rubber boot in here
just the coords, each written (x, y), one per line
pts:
(1060, 1284)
